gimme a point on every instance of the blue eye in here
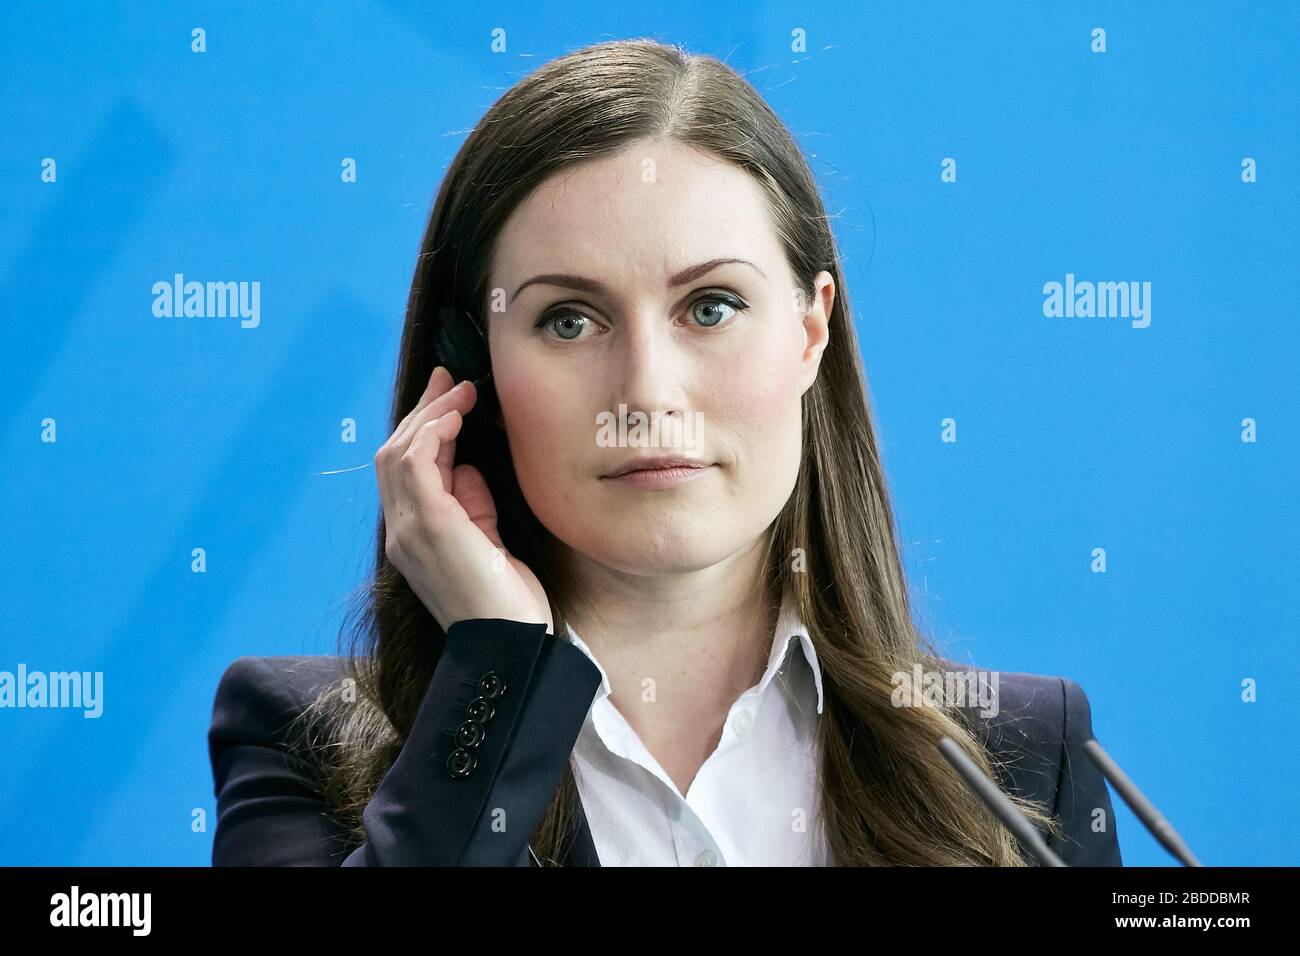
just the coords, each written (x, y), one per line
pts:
(569, 324)
(714, 319)
(560, 315)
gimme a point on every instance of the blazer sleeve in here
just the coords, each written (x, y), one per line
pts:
(474, 777)
(1088, 836)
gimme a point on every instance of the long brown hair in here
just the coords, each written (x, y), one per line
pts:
(887, 795)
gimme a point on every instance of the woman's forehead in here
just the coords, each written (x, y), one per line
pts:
(650, 211)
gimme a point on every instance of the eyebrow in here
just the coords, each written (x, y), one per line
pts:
(584, 284)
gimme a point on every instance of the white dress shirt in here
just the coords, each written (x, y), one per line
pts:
(754, 800)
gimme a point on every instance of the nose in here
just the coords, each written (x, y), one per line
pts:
(653, 367)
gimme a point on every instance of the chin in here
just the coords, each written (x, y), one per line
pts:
(655, 544)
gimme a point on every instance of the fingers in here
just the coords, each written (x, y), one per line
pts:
(430, 528)
(437, 400)
(427, 462)
(419, 510)
(439, 382)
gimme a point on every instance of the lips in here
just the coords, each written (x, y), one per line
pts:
(659, 463)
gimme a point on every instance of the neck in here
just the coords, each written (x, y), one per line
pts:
(678, 648)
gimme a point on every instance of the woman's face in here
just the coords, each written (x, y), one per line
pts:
(627, 313)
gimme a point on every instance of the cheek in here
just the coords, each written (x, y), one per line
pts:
(530, 404)
(546, 434)
(757, 401)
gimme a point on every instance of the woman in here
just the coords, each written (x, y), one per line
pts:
(572, 654)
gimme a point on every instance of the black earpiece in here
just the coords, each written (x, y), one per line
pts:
(461, 346)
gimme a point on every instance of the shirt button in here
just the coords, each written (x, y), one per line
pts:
(707, 858)
(742, 722)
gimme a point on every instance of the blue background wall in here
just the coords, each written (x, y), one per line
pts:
(1073, 434)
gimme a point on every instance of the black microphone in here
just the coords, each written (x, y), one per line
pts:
(999, 803)
(1140, 805)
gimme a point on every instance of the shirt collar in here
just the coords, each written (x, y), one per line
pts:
(789, 628)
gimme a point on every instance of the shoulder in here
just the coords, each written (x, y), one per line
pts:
(1031, 718)
(258, 697)
(1035, 731)
(270, 811)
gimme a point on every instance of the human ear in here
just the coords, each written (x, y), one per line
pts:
(816, 326)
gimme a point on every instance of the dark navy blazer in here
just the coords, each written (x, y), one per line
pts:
(491, 740)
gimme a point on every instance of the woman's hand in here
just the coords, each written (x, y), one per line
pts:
(440, 521)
